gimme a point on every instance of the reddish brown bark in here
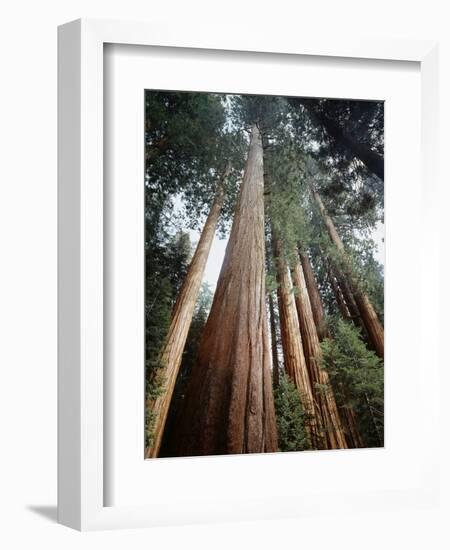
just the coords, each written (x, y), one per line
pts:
(348, 417)
(182, 314)
(346, 413)
(340, 300)
(347, 293)
(323, 393)
(367, 312)
(294, 358)
(314, 296)
(341, 289)
(229, 402)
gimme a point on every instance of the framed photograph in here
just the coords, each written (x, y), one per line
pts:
(232, 248)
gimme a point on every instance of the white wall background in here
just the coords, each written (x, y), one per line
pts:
(28, 271)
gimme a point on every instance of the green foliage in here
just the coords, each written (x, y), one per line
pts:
(166, 267)
(363, 122)
(187, 145)
(357, 376)
(290, 416)
(368, 274)
(189, 139)
(358, 264)
(268, 112)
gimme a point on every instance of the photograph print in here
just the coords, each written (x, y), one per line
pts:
(264, 274)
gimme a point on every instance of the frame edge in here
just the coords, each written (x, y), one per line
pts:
(69, 257)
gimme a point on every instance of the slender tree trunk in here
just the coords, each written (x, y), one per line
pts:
(380, 437)
(347, 413)
(182, 314)
(352, 434)
(347, 293)
(273, 336)
(369, 317)
(314, 297)
(324, 396)
(340, 300)
(348, 313)
(294, 359)
(344, 297)
(353, 311)
(229, 401)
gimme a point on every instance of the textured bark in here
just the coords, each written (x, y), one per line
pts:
(344, 297)
(314, 297)
(324, 395)
(273, 336)
(229, 401)
(182, 314)
(348, 417)
(340, 300)
(367, 312)
(344, 288)
(371, 323)
(347, 293)
(294, 358)
(347, 414)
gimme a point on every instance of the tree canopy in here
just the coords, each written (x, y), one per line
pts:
(321, 174)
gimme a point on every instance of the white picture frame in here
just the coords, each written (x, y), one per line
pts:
(81, 485)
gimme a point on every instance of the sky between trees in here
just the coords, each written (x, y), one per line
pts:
(278, 204)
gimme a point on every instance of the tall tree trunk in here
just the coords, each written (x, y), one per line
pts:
(182, 314)
(314, 297)
(347, 413)
(344, 291)
(229, 401)
(347, 313)
(273, 337)
(348, 416)
(294, 359)
(344, 297)
(324, 396)
(339, 296)
(369, 317)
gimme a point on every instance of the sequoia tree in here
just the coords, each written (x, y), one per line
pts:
(294, 359)
(367, 312)
(314, 296)
(357, 374)
(229, 405)
(346, 412)
(180, 323)
(312, 351)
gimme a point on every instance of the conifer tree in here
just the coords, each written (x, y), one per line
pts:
(367, 312)
(294, 359)
(359, 372)
(229, 404)
(291, 418)
(182, 314)
(323, 392)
